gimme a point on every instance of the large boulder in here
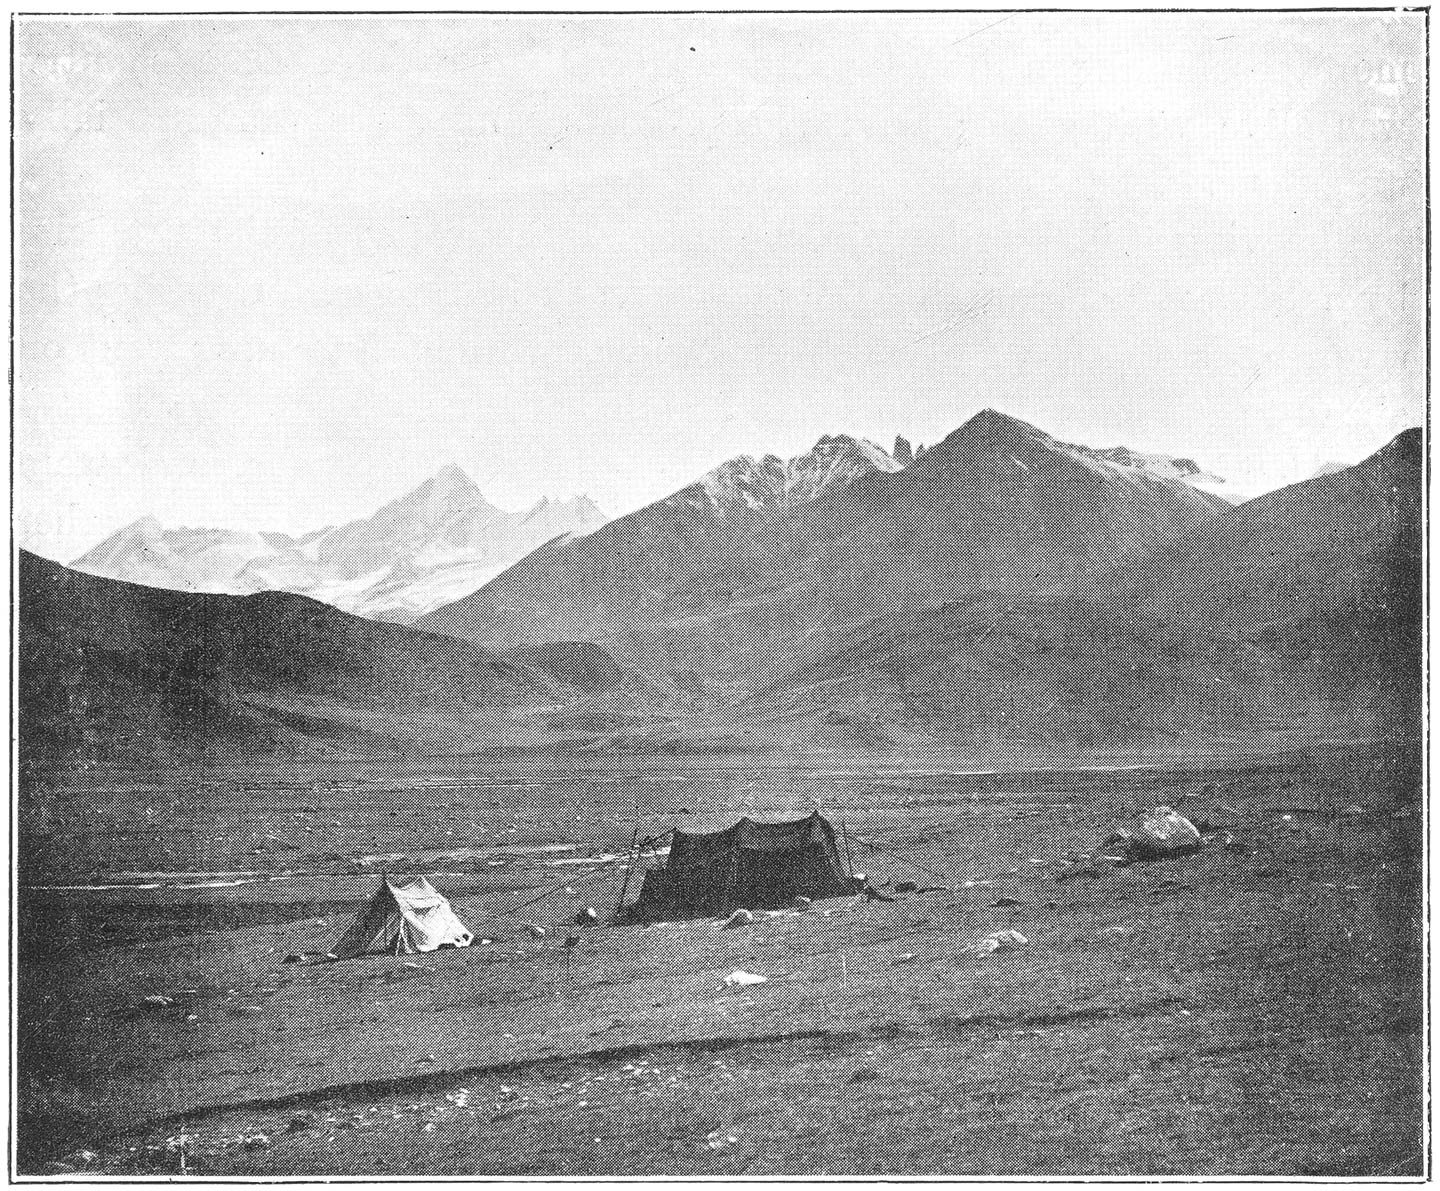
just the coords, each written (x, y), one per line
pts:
(1158, 835)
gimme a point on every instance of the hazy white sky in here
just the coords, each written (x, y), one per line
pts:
(273, 272)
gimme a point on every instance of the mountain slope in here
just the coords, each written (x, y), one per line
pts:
(428, 548)
(666, 560)
(1300, 610)
(745, 571)
(111, 670)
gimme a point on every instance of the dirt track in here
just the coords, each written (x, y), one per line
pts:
(1251, 1010)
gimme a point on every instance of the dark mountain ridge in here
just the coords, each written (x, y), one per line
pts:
(725, 580)
(1298, 610)
(110, 669)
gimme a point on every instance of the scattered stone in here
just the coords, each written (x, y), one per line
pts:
(533, 930)
(587, 917)
(299, 1123)
(1000, 940)
(293, 958)
(156, 1003)
(1001, 903)
(741, 979)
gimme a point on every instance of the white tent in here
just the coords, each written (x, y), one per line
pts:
(405, 916)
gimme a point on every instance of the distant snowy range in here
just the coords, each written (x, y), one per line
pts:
(425, 550)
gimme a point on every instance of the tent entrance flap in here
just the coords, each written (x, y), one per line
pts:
(751, 864)
(403, 917)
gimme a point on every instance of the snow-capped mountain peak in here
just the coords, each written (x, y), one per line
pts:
(832, 462)
(433, 545)
(994, 439)
(773, 483)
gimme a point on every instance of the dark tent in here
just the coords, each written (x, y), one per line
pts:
(751, 864)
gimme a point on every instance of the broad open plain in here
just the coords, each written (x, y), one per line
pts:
(1254, 1009)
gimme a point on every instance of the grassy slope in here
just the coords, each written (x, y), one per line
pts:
(1234, 1012)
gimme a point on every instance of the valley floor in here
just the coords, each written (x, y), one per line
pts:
(1252, 1010)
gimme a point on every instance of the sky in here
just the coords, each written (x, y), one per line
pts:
(271, 273)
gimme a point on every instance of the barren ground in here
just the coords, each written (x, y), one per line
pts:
(1255, 1009)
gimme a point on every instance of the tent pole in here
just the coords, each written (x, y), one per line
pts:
(849, 863)
(629, 861)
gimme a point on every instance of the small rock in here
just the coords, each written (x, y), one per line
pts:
(738, 918)
(1001, 903)
(155, 1003)
(906, 886)
(427, 1059)
(1000, 940)
(863, 1074)
(740, 979)
(57, 1168)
